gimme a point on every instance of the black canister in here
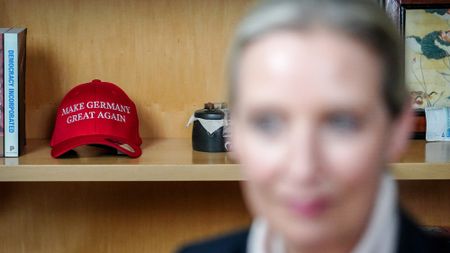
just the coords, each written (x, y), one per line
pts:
(201, 139)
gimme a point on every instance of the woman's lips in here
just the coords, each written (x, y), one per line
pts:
(308, 208)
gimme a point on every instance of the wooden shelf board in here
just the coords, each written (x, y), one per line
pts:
(168, 160)
(162, 160)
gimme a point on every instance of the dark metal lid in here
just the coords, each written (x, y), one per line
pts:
(209, 112)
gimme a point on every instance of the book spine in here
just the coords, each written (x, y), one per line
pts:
(1, 96)
(21, 46)
(11, 95)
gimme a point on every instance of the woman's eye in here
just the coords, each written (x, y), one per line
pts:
(343, 123)
(267, 124)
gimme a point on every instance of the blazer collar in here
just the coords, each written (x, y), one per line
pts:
(380, 234)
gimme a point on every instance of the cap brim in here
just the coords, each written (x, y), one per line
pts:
(133, 151)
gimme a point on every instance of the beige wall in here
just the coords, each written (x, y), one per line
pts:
(168, 56)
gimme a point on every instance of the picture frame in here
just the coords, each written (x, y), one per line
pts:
(396, 8)
(424, 25)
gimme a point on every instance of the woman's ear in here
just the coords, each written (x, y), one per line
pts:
(401, 130)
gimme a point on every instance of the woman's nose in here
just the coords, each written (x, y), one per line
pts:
(303, 159)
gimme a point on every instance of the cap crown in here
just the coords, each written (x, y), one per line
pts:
(97, 110)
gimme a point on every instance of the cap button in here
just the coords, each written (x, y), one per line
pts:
(96, 81)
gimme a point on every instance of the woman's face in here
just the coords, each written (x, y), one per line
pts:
(311, 131)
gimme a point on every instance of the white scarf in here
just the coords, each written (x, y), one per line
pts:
(380, 235)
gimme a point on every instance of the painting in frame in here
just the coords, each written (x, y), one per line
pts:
(425, 26)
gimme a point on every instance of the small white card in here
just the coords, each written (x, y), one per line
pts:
(438, 124)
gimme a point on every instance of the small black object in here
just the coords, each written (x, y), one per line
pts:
(201, 139)
(420, 125)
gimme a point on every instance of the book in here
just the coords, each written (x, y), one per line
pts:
(2, 31)
(14, 91)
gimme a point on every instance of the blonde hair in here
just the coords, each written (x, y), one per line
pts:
(362, 20)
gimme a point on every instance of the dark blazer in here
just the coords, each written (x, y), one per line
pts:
(412, 239)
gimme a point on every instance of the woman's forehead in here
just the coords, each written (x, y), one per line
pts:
(314, 63)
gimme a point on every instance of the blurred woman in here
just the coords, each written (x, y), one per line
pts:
(319, 108)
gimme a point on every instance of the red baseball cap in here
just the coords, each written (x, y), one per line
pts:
(96, 113)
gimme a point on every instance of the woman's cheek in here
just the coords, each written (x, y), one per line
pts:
(354, 161)
(261, 160)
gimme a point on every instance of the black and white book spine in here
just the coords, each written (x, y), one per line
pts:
(14, 88)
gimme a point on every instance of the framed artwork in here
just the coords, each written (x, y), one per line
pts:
(425, 26)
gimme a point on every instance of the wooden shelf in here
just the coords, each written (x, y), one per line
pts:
(162, 160)
(170, 160)
(424, 161)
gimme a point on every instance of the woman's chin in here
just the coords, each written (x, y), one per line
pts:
(309, 237)
(307, 232)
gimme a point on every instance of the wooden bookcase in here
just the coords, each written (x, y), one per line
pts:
(169, 57)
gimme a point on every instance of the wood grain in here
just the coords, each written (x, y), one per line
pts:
(168, 56)
(429, 201)
(106, 217)
(174, 160)
(115, 217)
